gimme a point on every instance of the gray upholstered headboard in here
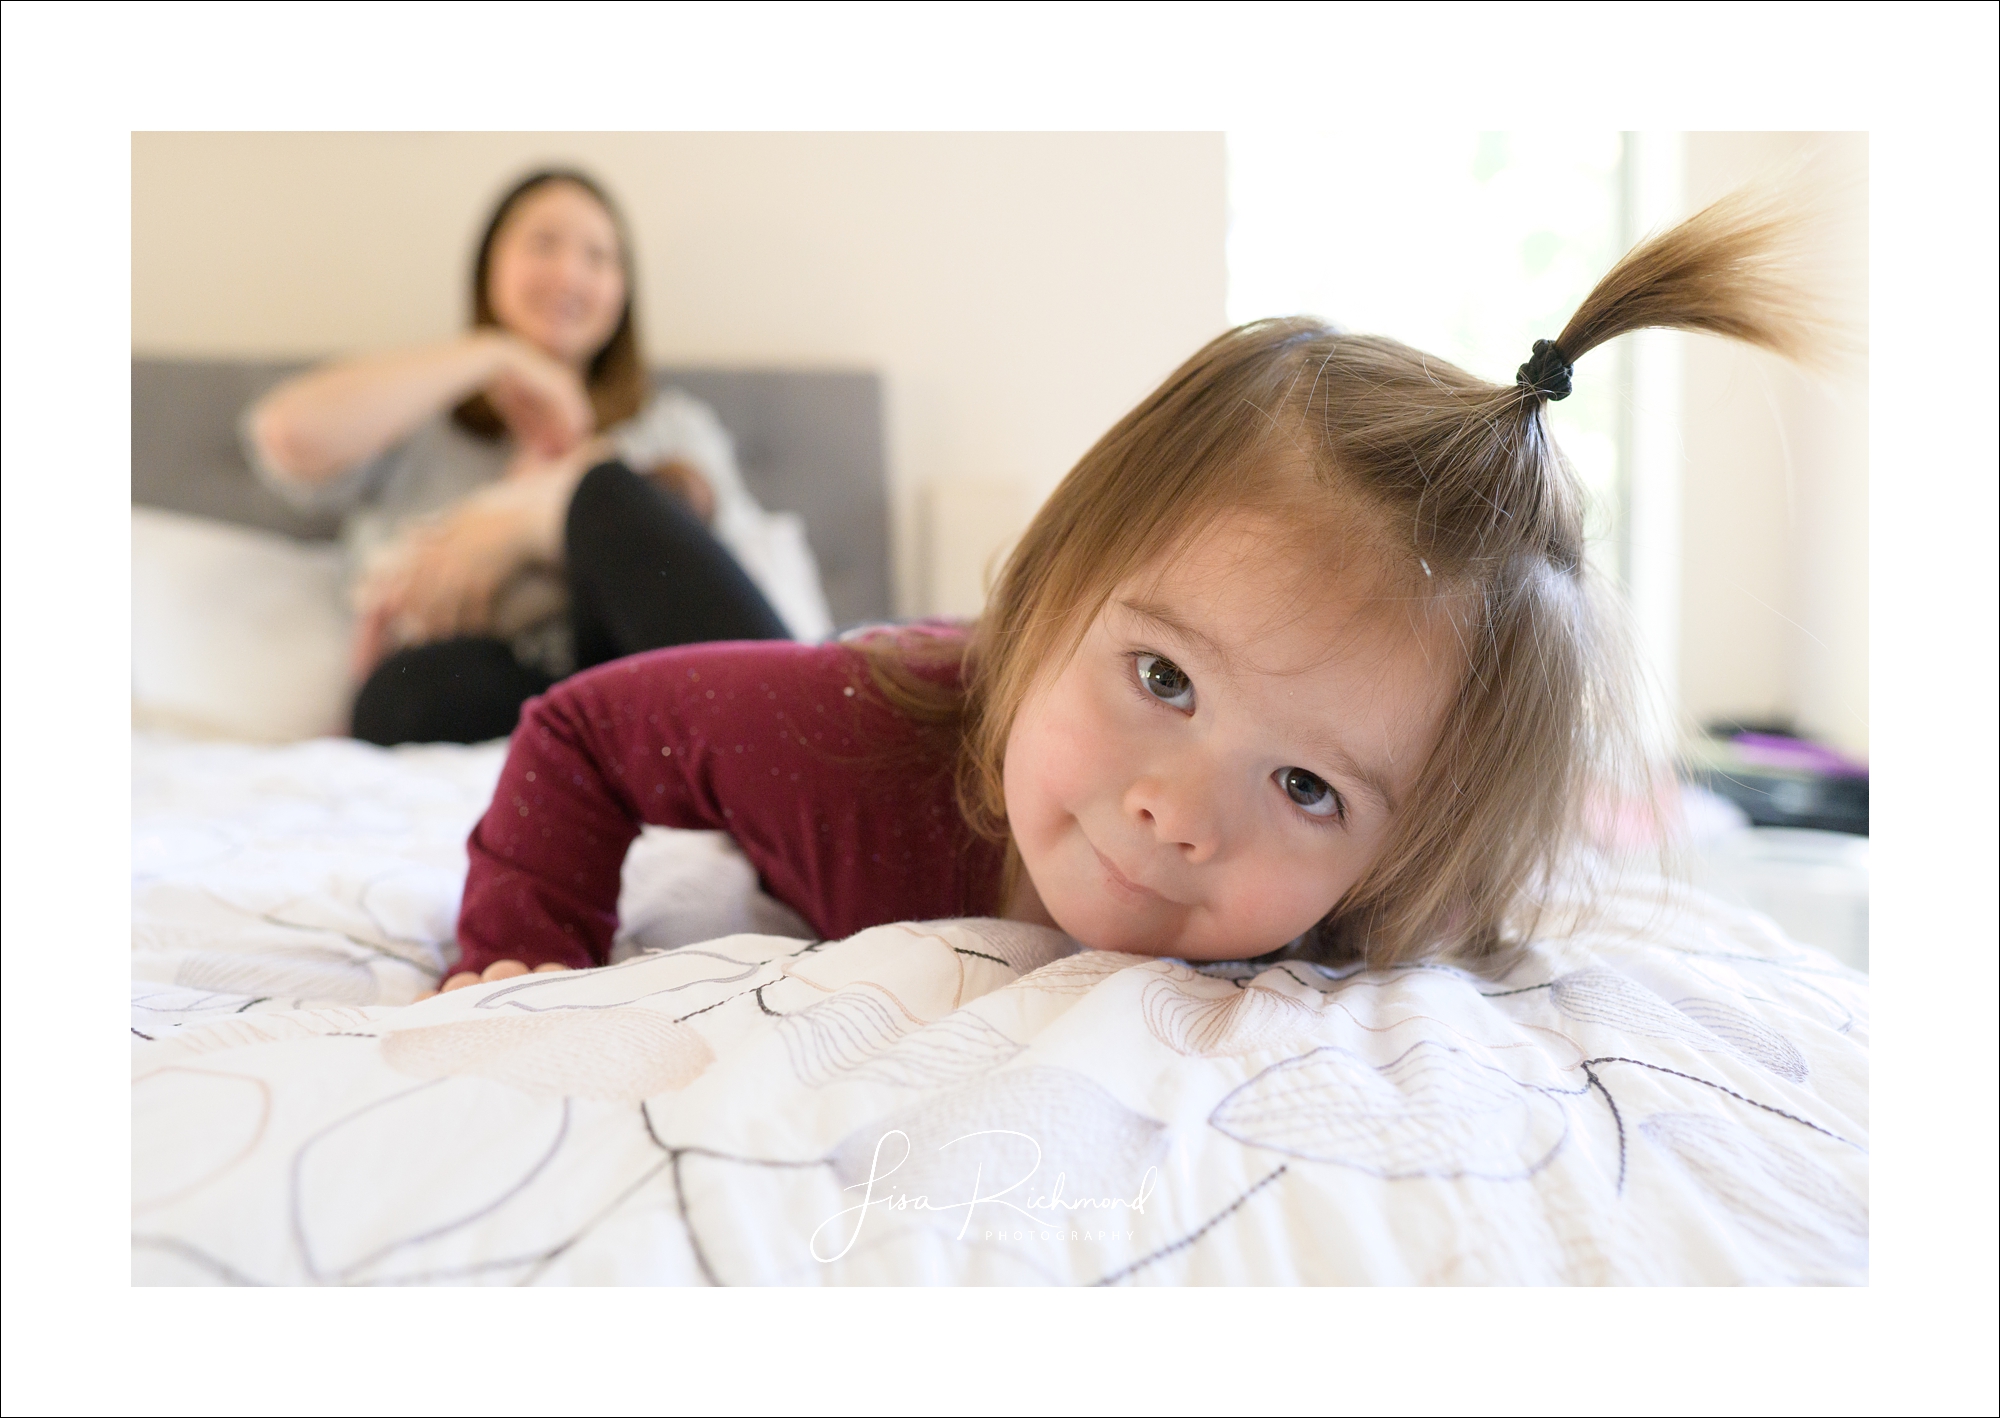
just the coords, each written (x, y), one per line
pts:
(808, 442)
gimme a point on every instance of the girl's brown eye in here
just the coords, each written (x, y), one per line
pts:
(1311, 792)
(1165, 681)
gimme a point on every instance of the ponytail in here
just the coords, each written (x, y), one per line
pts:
(1733, 269)
(1548, 717)
(1456, 487)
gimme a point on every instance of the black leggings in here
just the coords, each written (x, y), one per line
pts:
(643, 573)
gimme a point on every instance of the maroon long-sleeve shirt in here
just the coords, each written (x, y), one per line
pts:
(841, 804)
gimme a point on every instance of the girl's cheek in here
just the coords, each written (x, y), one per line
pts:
(1027, 780)
(1056, 732)
(1091, 755)
(1286, 893)
(1062, 748)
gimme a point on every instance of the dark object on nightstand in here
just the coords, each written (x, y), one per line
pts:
(1782, 780)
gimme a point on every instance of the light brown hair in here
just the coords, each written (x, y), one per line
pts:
(616, 376)
(1455, 490)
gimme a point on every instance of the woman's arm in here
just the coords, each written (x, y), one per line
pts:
(440, 579)
(332, 418)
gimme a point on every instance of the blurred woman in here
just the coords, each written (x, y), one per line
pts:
(519, 504)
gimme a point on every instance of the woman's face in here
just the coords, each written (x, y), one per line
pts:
(556, 276)
(1225, 753)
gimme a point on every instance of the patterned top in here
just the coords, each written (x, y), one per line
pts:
(440, 464)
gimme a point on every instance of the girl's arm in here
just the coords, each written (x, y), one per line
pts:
(781, 745)
(687, 737)
(330, 419)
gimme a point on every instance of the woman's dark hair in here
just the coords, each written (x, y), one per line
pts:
(616, 376)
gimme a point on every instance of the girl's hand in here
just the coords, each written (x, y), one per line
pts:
(498, 970)
(542, 401)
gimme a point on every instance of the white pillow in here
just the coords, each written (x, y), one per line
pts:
(244, 634)
(772, 549)
(236, 633)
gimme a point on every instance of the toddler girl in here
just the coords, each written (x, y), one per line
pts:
(1304, 651)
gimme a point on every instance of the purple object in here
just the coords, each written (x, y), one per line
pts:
(1798, 755)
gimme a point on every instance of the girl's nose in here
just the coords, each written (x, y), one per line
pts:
(1179, 811)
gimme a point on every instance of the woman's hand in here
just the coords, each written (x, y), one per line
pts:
(542, 401)
(682, 480)
(566, 468)
(441, 578)
(438, 581)
(498, 970)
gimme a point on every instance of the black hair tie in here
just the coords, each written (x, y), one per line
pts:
(1546, 372)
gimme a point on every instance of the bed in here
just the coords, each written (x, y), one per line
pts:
(1663, 1090)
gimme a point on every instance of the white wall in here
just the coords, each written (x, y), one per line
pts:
(1017, 291)
(1774, 502)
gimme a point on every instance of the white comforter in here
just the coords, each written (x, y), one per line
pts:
(1672, 1094)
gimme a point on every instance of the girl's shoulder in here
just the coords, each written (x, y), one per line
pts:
(927, 634)
(900, 679)
(775, 669)
(714, 661)
(933, 649)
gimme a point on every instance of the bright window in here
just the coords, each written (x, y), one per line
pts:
(1469, 246)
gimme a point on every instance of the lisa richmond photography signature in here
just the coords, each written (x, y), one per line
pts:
(1046, 1212)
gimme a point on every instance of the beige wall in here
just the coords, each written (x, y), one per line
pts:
(1017, 291)
(1774, 590)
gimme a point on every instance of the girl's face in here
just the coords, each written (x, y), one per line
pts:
(1224, 754)
(555, 276)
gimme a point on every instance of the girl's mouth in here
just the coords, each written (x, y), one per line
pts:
(1123, 884)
